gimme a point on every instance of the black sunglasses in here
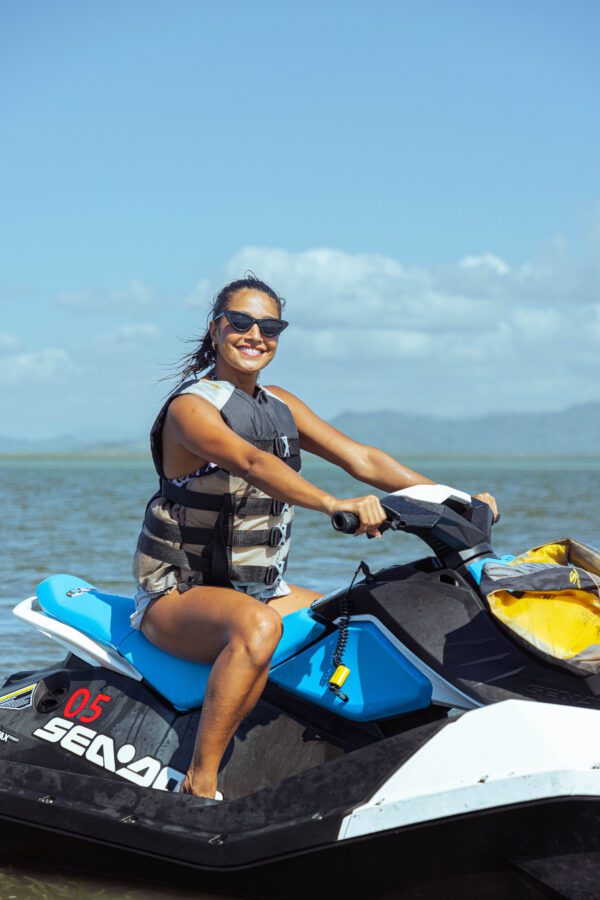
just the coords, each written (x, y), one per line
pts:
(242, 322)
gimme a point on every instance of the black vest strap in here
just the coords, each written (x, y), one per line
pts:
(187, 534)
(246, 506)
(171, 555)
(191, 499)
(182, 560)
(259, 506)
(219, 556)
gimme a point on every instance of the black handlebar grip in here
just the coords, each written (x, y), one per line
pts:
(345, 521)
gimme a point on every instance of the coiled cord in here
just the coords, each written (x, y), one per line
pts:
(342, 638)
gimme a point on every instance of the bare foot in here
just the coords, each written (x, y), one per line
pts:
(198, 788)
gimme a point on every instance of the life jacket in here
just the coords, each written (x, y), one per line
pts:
(213, 523)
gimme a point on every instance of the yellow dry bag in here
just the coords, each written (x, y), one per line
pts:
(550, 597)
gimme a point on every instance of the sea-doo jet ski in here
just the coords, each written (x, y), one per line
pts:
(379, 762)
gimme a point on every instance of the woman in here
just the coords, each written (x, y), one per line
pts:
(212, 554)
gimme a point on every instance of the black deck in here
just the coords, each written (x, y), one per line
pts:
(549, 849)
(301, 813)
(442, 619)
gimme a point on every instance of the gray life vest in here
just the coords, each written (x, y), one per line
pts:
(214, 524)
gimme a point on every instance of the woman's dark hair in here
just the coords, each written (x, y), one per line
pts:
(203, 355)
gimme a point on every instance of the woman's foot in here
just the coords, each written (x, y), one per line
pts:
(200, 789)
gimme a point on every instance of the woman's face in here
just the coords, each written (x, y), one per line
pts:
(252, 351)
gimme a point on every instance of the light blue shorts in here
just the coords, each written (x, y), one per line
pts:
(261, 592)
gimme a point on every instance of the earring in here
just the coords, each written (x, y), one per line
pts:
(214, 346)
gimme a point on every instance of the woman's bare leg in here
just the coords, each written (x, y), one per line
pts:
(236, 633)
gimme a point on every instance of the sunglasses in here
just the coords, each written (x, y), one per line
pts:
(242, 322)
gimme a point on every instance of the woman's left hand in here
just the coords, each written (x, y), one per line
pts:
(491, 502)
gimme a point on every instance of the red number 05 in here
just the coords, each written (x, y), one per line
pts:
(80, 700)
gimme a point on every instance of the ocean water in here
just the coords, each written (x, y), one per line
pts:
(82, 516)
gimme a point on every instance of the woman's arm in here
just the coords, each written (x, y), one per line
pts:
(198, 428)
(365, 463)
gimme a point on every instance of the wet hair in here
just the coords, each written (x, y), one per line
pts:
(203, 356)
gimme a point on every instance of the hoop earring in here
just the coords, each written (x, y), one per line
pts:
(214, 346)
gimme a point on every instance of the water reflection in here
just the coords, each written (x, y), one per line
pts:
(40, 884)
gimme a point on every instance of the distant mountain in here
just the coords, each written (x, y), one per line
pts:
(576, 431)
(66, 445)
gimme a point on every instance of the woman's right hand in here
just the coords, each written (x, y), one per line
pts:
(369, 510)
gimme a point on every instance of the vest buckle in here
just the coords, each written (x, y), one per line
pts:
(282, 446)
(277, 536)
(271, 575)
(278, 507)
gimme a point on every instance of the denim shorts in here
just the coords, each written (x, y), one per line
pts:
(261, 592)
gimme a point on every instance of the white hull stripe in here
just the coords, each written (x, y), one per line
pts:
(464, 801)
(512, 752)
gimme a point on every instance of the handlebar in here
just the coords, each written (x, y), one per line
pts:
(348, 523)
(345, 522)
(455, 526)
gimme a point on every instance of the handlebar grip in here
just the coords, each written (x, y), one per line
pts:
(346, 522)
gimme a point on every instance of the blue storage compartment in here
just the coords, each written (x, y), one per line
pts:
(381, 684)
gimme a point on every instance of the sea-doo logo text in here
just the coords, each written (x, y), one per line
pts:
(100, 750)
(77, 592)
(558, 695)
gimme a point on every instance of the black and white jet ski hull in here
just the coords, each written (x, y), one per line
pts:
(463, 786)
(493, 797)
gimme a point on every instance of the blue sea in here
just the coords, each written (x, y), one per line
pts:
(82, 516)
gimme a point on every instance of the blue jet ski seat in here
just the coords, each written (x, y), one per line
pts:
(105, 618)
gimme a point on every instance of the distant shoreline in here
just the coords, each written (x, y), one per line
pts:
(80, 455)
(310, 458)
(546, 435)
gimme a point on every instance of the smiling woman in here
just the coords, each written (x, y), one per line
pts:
(205, 355)
(213, 550)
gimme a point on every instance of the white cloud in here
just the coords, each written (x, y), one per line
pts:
(369, 331)
(536, 324)
(344, 291)
(595, 322)
(487, 261)
(136, 295)
(38, 365)
(130, 336)
(9, 343)
(460, 335)
(83, 298)
(200, 296)
(137, 332)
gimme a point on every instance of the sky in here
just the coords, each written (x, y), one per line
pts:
(420, 180)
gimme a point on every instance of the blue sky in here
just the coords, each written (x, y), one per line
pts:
(420, 180)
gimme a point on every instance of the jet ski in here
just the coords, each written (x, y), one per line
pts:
(400, 748)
